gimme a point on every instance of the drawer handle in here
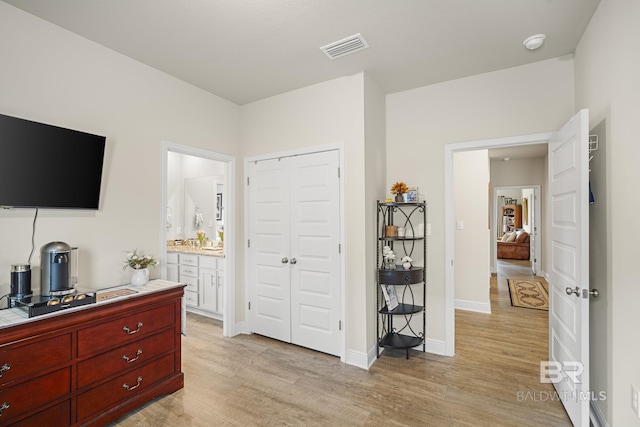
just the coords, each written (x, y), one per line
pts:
(129, 388)
(4, 406)
(4, 368)
(130, 332)
(129, 360)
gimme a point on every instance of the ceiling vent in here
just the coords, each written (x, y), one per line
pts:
(346, 46)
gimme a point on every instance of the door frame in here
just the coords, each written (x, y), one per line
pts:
(537, 255)
(229, 328)
(247, 232)
(449, 217)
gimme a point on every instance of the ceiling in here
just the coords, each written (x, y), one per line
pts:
(246, 50)
(533, 151)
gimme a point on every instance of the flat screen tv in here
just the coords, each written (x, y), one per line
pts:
(44, 166)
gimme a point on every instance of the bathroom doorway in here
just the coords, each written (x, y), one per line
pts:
(198, 200)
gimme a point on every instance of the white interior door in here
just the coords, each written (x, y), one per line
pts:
(294, 258)
(569, 272)
(533, 236)
(268, 270)
(315, 257)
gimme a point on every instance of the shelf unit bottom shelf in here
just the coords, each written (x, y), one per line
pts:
(399, 341)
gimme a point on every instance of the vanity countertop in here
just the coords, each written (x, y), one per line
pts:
(15, 316)
(214, 251)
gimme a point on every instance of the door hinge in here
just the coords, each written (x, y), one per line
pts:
(451, 263)
(247, 180)
(248, 243)
(338, 172)
(339, 248)
(339, 325)
(249, 305)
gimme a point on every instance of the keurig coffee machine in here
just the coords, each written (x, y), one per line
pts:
(55, 269)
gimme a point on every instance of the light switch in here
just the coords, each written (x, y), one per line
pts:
(459, 225)
(635, 396)
(178, 230)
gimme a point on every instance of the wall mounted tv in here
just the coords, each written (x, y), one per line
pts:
(44, 166)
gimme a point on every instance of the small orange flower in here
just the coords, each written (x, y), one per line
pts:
(399, 188)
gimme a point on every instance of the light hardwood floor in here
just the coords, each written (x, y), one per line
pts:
(250, 380)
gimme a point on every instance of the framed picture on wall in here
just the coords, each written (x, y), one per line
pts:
(219, 207)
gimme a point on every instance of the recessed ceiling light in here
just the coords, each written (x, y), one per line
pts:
(534, 42)
(506, 159)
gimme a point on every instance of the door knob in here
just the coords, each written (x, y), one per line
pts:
(575, 291)
(594, 293)
(284, 260)
(294, 261)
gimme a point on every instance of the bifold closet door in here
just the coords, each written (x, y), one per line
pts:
(294, 254)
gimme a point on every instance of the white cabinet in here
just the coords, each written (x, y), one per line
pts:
(211, 284)
(204, 279)
(172, 267)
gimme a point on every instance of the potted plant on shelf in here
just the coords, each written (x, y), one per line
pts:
(399, 188)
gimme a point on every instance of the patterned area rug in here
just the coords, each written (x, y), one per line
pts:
(528, 294)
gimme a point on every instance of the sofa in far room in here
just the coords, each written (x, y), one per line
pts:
(514, 245)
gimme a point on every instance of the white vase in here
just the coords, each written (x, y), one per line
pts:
(140, 277)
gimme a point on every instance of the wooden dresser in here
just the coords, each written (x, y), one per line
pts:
(92, 365)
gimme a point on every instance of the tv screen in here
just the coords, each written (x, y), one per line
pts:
(44, 166)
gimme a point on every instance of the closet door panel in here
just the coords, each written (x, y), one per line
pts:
(269, 236)
(315, 238)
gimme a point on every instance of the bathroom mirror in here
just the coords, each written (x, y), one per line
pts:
(201, 206)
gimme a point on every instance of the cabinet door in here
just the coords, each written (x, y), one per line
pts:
(172, 272)
(209, 290)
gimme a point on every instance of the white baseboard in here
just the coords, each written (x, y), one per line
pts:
(480, 307)
(237, 329)
(597, 417)
(360, 359)
(435, 347)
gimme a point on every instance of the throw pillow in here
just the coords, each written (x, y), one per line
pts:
(512, 237)
(522, 237)
(505, 237)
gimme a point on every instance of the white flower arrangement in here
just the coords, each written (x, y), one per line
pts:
(138, 262)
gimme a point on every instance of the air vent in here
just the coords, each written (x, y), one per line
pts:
(346, 46)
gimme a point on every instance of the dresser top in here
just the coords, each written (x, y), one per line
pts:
(16, 316)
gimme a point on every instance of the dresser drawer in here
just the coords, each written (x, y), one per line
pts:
(17, 361)
(188, 271)
(188, 259)
(191, 298)
(56, 416)
(127, 329)
(28, 395)
(117, 361)
(124, 387)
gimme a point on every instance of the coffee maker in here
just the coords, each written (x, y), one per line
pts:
(56, 269)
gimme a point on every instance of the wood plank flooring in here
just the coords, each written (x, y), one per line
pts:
(250, 380)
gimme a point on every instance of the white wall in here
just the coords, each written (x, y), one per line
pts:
(472, 243)
(607, 65)
(326, 113)
(375, 174)
(529, 99)
(54, 76)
